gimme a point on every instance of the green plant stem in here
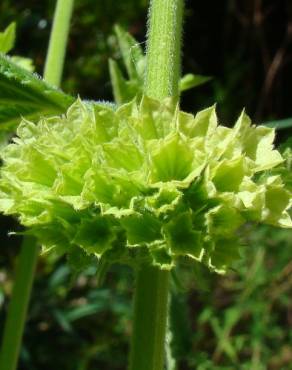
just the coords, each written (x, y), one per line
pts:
(150, 316)
(164, 49)
(16, 316)
(152, 284)
(14, 324)
(58, 42)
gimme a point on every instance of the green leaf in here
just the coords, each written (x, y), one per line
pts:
(280, 124)
(123, 90)
(121, 154)
(7, 38)
(229, 175)
(25, 63)
(155, 122)
(133, 59)
(189, 81)
(285, 169)
(223, 221)
(161, 257)
(119, 83)
(165, 201)
(104, 185)
(181, 237)
(204, 123)
(23, 94)
(78, 259)
(52, 237)
(259, 146)
(132, 52)
(277, 200)
(224, 252)
(171, 159)
(141, 228)
(95, 235)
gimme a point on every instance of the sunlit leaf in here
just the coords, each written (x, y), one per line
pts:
(7, 38)
(23, 94)
(189, 81)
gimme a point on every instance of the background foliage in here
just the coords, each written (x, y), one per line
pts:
(240, 321)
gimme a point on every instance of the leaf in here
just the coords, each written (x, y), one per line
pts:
(225, 251)
(181, 237)
(277, 200)
(23, 94)
(171, 159)
(120, 154)
(119, 83)
(123, 90)
(132, 52)
(95, 235)
(161, 257)
(155, 122)
(223, 332)
(165, 200)
(285, 170)
(258, 145)
(88, 309)
(223, 221)
(204, 123)
(25, 63)
(7, 38)
(189, 81)
(78, 259)
(229, 175)
(280, 124)
(136, 225)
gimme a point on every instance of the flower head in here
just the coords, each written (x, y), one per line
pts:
(146, 183)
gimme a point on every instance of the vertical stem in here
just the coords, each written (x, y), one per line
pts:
(152, 284)
(16, 316)
(164, 48)
(58, 42)
(14, 324)
(150, 316)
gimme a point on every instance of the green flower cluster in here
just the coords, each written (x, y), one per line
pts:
(146, 183)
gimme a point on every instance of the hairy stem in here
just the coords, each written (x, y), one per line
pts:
(58, 42)
(16, 316)
(164, 48)
(152, 284)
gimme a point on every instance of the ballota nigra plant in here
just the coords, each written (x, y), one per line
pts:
(144, 183)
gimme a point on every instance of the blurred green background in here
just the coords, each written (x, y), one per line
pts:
(239, 321)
